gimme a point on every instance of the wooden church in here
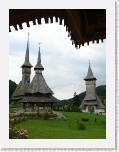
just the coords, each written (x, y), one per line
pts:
(91, 101)
(34, 95)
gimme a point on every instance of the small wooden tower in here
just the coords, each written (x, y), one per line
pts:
(38, 95)
(91, 101)
(25, 82)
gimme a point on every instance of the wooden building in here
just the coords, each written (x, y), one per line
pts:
(34, 95)
(91, 101)
(38, 95)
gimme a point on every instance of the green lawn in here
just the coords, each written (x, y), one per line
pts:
(66, 129)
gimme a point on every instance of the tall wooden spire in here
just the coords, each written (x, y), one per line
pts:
(90, 75)
(26, 72)
(38, 84)
(26, 62)
(39, 65)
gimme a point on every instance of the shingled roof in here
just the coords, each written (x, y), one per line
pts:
(39, 65)
(20, 90)
(95, 101)
(90, 75)
(38, 84)
(90, 96)
(26, 62)
(35, 99)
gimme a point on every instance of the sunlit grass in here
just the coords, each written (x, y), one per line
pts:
(66, 129)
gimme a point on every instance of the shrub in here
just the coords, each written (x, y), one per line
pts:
(81, 126)
(85, 119)
(46, 116)
(12, 133)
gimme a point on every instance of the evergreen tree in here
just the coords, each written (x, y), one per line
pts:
(12, 87)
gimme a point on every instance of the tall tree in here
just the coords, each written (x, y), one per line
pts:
(12, 87)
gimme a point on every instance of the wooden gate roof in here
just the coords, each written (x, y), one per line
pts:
(83, 25)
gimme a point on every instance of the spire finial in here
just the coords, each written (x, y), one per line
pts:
(28, 36)
(89, 62)
(39, 54)
(39, 48)
(27, 50)
(28, 42)
(39, 44)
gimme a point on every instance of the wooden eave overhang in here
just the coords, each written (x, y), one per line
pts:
(82, 25)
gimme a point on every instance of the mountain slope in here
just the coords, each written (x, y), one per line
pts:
(12, 87)
(73, 104)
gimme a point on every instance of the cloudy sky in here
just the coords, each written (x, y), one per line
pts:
(64, 66)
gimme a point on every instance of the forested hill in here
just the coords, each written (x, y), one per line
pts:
(75, 102)
(72, 102)
(12, 87)
(101, 91)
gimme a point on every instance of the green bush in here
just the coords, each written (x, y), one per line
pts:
(81, 126)
(85, 119)
(46, 116)
(12, 133)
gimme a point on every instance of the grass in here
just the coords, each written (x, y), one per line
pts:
(66, 129)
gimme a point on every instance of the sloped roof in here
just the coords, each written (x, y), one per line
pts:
(90, 75)
(26, 62)
(100, 105)
(97, 102)
(90, 97)
(92, 102)
(32, 99)
(39, 65)
(20, 90)
(39, 85)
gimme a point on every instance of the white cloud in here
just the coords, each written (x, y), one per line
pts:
(65, 67)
